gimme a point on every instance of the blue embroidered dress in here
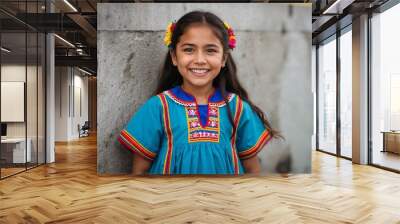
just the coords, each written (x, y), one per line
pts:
(181, 137)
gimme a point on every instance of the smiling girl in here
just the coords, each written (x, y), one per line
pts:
(200, 120)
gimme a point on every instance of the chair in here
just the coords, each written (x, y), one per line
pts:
(84, 130)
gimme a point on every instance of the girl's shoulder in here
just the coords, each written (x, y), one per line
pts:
(179, 96)
(152, 103)
(153, 100)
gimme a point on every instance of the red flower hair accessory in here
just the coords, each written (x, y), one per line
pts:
(232, 37)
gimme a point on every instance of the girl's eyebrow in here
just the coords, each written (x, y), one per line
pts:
(194, 45)
(212, 45)
(188, 44)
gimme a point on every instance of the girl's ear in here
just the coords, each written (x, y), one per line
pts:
(173, 57)
(224, 60)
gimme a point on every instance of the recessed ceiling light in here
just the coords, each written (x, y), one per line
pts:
(70, 5)
(86, 72)
(64, 40)
(337, 7)
(5, 50)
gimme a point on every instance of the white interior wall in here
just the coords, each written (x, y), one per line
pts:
(61, 103)
(82, 83)
(32, 127)
(16, 73)
(70, 83)
(12, 73)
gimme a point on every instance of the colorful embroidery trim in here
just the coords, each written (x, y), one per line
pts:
(171, 95)
(262, 140)
(167, 126)
(134, 145)
(199, 133)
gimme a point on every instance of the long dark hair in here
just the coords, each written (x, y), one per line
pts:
(226, 81)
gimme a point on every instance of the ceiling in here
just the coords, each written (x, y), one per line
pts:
(76, 22)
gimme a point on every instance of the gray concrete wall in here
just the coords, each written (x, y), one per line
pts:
(273, 56)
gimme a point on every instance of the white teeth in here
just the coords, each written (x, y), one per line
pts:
(201, 71)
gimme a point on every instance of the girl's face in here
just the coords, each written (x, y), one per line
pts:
(199, 56)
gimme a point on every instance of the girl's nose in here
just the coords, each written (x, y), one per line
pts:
(200, 58)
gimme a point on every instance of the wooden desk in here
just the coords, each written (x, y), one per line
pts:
(391, 141)
(15, 148)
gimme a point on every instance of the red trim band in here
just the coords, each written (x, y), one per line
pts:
(238, 112)
(252, 151)
(167, 126)
(134, 145)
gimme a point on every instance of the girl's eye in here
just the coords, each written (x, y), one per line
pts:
(211, 50)
(189, 50)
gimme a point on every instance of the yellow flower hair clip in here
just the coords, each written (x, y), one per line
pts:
(168, 34)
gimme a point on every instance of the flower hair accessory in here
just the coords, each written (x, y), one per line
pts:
(168, 34)
(171, 28)
(232, 37)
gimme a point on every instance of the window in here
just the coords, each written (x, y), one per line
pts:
(327, 96)
(346, 93)
(385, 89)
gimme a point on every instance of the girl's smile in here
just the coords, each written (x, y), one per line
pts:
(199, 72)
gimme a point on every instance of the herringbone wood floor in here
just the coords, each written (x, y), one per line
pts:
(70, 191)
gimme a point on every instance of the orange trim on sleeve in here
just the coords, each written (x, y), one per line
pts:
(262, 140)
(134, 145)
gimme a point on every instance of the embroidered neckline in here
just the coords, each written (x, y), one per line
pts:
(178, 95)
(197, 132)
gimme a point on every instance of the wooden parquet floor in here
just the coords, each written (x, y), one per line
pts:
(70, 191)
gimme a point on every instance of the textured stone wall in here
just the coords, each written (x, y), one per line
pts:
(273, 56)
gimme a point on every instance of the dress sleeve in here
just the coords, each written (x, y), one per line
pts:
(143, 133)
(251, 133)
